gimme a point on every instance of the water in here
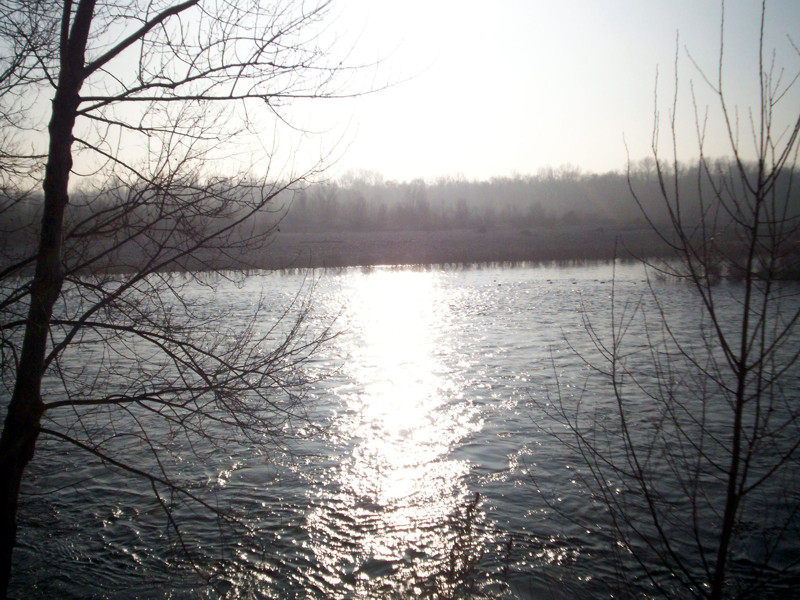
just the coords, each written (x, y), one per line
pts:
(426, 470)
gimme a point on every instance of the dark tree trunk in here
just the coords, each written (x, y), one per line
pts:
(21, 427)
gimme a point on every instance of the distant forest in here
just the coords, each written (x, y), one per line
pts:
(364, 201)
(553, 198)
(361, 219)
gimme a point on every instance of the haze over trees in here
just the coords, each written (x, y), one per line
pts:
(533, 206)
(562, 197)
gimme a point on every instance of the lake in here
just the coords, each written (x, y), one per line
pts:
(428, 466)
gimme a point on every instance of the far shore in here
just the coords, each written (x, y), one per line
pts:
(338, 249)
(293, 250)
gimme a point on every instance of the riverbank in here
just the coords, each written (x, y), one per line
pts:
(340, 248)
(346, 249)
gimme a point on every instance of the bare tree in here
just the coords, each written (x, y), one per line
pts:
(151, 107)
(693, 455)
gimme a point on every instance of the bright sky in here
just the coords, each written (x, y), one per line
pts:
(512, 86)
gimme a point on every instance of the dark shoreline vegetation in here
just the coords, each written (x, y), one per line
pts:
(449, 247)
(555, 216)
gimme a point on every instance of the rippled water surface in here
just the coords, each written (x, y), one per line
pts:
(428, 469)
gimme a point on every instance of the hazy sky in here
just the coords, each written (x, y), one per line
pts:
(512, 86)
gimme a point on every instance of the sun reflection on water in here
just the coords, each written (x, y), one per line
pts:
(384, 510)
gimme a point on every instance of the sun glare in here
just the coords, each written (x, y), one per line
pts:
(404, 382)
(401, 421)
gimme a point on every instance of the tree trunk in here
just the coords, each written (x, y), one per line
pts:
(21, 426)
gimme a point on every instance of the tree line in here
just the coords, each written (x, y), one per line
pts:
(562, 197)
(364, 201)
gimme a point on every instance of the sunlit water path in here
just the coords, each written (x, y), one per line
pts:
(400, 416)
(422, 478)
